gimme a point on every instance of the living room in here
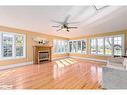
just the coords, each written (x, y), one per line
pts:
(52, 43)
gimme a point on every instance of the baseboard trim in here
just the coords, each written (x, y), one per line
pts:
(15, 65)
(89, 59)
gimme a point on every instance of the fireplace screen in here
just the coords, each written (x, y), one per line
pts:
(43, 55)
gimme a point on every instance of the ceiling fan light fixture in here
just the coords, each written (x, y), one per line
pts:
(64, 29)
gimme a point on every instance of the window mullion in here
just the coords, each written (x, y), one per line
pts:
(14, 47)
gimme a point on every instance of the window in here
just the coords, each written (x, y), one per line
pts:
(70, 46)
(60, 46)
(107, 45)
(93, 46)
(100, 46)
(66, 46)
(117, 45)
(84, 46)
(12, 45)
(77, 46)
(7, 45)
(19, 44)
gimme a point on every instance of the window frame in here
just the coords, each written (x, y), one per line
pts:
(111, 46)
(13, 51)
(24, 46)
(14, 46)
(123, 44)
(95, 46)
(54, 43)
(77, 46)
(98, 46)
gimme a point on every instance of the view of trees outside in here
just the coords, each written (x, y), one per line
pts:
(12, 45)
(93, 46)
(19, 45)
(84, 46)
(7, 43)
(60, 46)
(108, 45)
(100, 46)
(117, 45)
(66, 46)
(75, 48)
(79, 47)
(70, 46)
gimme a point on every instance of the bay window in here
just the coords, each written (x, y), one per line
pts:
(112, 45)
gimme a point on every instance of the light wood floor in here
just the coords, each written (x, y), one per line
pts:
(62, 74)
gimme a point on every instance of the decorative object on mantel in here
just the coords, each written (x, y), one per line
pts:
(40, 40)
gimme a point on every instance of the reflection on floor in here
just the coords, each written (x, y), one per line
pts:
(66, 73)
(65, 62)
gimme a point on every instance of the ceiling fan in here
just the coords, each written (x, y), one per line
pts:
(65, 24)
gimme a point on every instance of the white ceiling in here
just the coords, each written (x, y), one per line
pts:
(38, 19)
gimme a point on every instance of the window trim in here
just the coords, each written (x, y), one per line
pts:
(13, 49)
(24, 47)
(77, 46)
(64, 47)
(103, 45)
(123, 44)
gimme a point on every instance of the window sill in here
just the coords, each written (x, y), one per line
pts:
(59, 53)
(12, 58)
(100, 55)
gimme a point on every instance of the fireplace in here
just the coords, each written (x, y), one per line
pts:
(42, 54)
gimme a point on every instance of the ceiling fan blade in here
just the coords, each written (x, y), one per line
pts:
(67, 30)
(56, 26)
(66, 19)
(59, 29)
(72, 27)
(73, 22)
(57, 21)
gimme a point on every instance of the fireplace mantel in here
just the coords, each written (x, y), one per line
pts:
(42, 53)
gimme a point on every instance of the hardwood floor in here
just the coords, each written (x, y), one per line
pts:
(62, 74)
